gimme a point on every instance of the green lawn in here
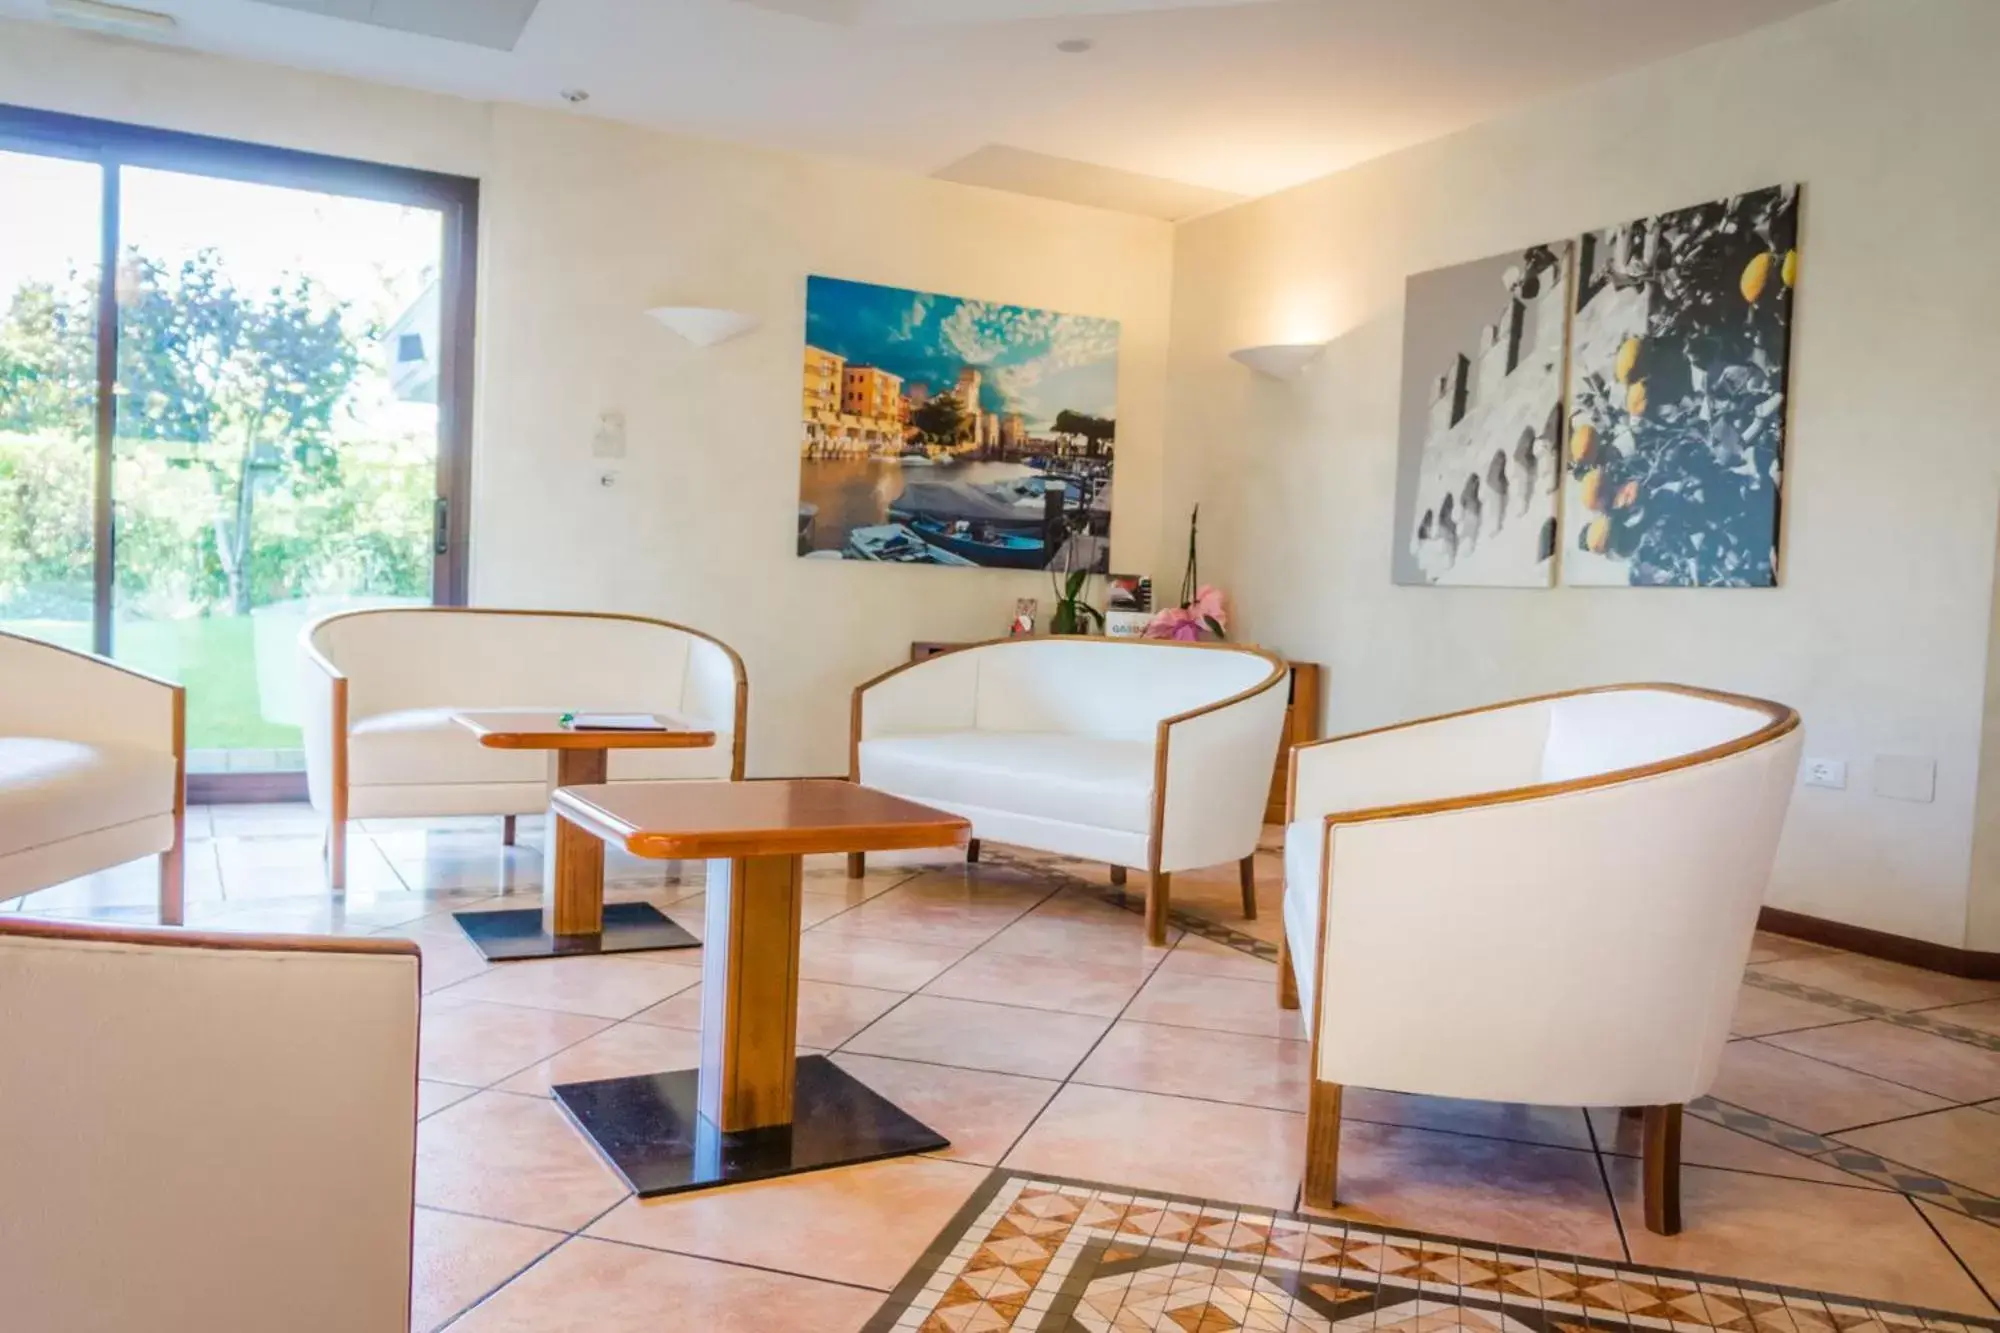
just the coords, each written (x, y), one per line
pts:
(212, 656)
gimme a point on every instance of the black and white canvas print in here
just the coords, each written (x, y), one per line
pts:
(1480, 442)
(1677, 396)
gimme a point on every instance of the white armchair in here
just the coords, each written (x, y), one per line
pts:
(1558, 893)
(205, 1132)
(381, 687)
(93, 769)
(1131, 752)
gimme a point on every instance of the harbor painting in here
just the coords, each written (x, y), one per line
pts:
(939, 430)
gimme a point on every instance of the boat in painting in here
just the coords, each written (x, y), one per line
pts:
(892, 543)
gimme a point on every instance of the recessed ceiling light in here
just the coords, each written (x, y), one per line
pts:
(111, 18)
(575, 95)
(1075, 46)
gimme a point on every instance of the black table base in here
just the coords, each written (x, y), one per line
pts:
(650, 1129)
(517, 933)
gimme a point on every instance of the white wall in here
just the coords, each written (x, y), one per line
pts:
(584, 225)
(1888, 111)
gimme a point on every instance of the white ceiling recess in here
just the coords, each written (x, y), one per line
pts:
(1232, 98)
(494, 23)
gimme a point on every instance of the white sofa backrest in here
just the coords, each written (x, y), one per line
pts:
(1118, 691)
(428, 658)
(203, 1133)
(1610, 730)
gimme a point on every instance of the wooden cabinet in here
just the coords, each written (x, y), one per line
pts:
(1301, 724)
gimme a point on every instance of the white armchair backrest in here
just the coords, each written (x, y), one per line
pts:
(428, 657)
(46, 690)
(205, 1133)
(1104, 688)
(1581, 946)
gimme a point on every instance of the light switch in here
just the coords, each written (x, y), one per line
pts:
(609, 441)
(1906, 777)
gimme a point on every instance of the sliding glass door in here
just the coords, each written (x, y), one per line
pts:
(234, 392)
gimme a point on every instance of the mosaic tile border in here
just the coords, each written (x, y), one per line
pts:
(1919, 1020)
(1215, 932)
(1030, 1251)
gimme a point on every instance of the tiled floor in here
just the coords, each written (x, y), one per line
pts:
(1852, 1143)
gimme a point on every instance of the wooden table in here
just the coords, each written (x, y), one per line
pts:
(573, 918)
(753, 1108)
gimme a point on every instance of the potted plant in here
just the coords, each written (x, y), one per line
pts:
(1073, 615)
(1201, 614)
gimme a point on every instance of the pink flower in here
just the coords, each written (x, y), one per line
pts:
(1177, 623)
(1207, 606)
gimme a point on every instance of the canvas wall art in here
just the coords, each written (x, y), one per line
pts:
(940, 430)
(1678, 355)
(1479, 453)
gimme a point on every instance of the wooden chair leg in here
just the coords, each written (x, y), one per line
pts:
(173, 880)
(336, 854)
(1118, 876)
(1288, 980)
(1159, 888)
(1661, 1166)
(857, 864)
(1322, 1177)
(507, 831)
(972, 852)
(1246, 872)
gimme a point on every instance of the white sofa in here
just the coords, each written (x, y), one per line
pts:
(205, 1132)
(93, 769)
(1559, 894)
(381, 687)
(1132, 752)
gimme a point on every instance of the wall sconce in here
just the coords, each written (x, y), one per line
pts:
(705, 326)
(1279, 361)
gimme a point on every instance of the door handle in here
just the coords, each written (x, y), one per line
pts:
(441, 527)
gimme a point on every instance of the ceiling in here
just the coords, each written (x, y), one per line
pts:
(1184, 104)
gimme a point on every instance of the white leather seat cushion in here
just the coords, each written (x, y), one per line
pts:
(1072, 779)
(51, 790)
(424, 747)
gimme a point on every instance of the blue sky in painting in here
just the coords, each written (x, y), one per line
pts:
(1035, 362)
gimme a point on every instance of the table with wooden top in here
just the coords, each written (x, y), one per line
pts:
(573, 918)
(754, 1108)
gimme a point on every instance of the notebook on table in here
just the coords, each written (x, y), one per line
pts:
(614, 722)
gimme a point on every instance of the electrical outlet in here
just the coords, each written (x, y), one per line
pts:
(1825, 773)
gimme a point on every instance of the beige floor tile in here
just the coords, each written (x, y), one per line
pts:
(945, 924)
(603, 987)
(514, 1159)
(1210, 1150)
(255, 869)
(971, 1035)
(1769, 948)
(134, 884)
(433, 1097)
(265, 820)
(1086, 932)
(1194, 1062)
(1810, 1093)
(862, 960)
(1552, 1126)
(1705, 1143)
(1950, 1069)
(1760, 1011)
(1976, 1244)
(1867, 1243)
(592, 1286)
(459, 1259)
(1510, 1193)
(828, 1013)
(448, 962)
(864, 1225)
(1068, 985)
(1224, 1004)
(1961, 1145)
(1982, 1016)
(466, 1041)
(515, 869)
(981, 1112)
(622, 1051)
(1884, 983)
(1197, 956)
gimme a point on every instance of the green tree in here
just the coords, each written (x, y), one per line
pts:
(248, 385)
(1096, 432)
(941, 420)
